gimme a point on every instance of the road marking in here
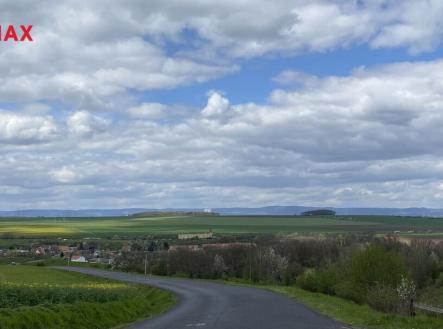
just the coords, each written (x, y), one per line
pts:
(200, 324)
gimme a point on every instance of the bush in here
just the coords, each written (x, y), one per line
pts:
(350, 290)
(439, 280)
(328, 279)
(365, 272)
(320, 281)
(383, 298)
(421, 263)
(308, 280)
(292, 271)
(374, 266)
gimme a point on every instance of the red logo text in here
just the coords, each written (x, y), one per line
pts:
(11, 33)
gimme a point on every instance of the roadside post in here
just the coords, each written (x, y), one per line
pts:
(146, 262)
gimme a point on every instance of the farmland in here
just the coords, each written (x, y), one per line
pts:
(36, 297)
(318, 254)
(169, 225)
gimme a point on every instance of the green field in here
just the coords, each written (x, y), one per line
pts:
(43, 298)
(130, 226)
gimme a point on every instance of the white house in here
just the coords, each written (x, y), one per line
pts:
(79, 259)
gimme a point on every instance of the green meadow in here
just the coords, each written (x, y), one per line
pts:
(34, 297)
(133, 226)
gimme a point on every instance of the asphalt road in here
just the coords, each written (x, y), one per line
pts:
(208, 305)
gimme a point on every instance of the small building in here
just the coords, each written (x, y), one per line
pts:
(64, 249)
(78, 259)
(228, 245)
(40, 251)
(106, 261)
(21, 251)
(187, 247)
(188, 236)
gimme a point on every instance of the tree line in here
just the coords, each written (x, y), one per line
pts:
(382, 272)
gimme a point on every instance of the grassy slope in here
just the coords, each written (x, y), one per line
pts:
(360, 316)
(140, 302)
(102, 227)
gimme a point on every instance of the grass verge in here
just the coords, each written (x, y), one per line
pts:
(350, 313)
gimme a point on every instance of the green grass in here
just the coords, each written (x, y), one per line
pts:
(352, 314)
(43, 298)
(170, 225)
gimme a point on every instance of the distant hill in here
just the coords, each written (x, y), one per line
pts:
(291, 210)
(174, 213)
(319, 212)
(271, 210)
(70, 213)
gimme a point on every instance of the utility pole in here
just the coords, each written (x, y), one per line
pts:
(250, 261)
(146, 262)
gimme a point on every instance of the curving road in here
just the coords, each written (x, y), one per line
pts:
(208, 305)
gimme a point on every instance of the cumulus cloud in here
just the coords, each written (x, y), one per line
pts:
(26, 129)
(370, 138)
(99, 51)
(91, 58)
(217, 106)
(85, 124)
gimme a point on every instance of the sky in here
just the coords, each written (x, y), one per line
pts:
(201, 104)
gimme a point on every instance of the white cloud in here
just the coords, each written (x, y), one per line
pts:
(85, 124)
(217, 106)
(369, 138)
(416, 25)
(63, 175)
(150, 111)
(26, 129)
(97, 52)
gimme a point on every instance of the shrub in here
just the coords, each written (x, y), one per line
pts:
(439, 280)
(421, 263)
(374, 266)
(350, 290)
(292, 271)
(306, 280)
(322, 281)
(366, 271)
(328, 279)
(383, 298)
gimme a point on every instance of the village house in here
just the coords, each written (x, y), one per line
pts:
(40, 251)
(188, 236)
(228, 245)
(78, 259)
(64, 249)
(190, 247)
